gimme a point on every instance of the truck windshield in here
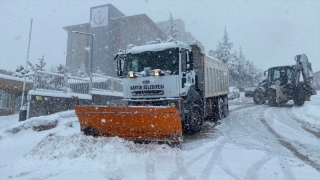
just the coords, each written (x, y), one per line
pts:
(166, 60)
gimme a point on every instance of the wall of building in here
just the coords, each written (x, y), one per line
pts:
(76, 44)
(182, 34)
(119, 31)
(14, 90)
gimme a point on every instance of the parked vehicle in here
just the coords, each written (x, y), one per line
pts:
(283, 83)
(234, 93)
(248, 91)
(171, 88)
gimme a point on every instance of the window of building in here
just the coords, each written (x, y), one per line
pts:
(5, 100)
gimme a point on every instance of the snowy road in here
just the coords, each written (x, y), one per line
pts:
(253, 142)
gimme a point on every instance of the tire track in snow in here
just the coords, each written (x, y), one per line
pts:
(289, 146)
(306, 126)
(216, 159)
(181, 169)
(249, 106)
(272, 146)
(252, 171)
(149, 168)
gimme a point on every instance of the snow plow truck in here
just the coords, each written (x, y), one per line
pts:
(170, 89)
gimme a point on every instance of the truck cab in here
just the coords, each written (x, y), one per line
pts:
(158, 75)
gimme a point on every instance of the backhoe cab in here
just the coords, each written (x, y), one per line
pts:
(284, 83)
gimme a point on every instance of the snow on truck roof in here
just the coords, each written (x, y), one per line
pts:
(157, 47)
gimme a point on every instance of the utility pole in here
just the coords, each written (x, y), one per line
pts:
(24, 82)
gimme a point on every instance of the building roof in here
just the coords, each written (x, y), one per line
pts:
(69, 28)
(3, 76)
(144, 16)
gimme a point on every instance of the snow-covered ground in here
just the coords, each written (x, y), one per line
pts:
(253, 142)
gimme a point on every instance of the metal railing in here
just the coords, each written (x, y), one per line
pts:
(53, 82)
(106, 83)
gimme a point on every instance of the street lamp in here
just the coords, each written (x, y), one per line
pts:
(90, 34)
(67, 54)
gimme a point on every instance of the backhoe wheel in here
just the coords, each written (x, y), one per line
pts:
(195, 120)
(258, 97)
(272, 98)
(299, 98)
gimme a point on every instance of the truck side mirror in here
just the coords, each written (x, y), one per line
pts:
(119, 68)
(120, 73)
(190, 61)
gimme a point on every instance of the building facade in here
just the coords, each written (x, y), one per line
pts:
(182, 35)
(107, 31)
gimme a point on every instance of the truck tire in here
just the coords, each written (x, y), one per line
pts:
(225, 110)
(272, 98)
(90, 131)
(218, 109)
(258, 97)
(195, 120)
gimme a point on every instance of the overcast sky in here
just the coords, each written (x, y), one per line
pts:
(270, 32)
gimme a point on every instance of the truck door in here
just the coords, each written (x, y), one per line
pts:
(187, 74)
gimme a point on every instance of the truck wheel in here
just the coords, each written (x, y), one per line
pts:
(258, 97)
(272, 98)
(195, 120)
(90, 131)
(218, 109)
(225, 107)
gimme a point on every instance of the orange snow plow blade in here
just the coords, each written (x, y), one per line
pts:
(131, 122)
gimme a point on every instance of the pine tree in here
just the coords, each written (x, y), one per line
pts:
(38, 67)
(81, 72)
(223, 49)
(20, 71)
(60, 69)
(98, 71)
(172, 31)
(41, 64)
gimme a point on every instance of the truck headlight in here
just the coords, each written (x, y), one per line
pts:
(132, 74)
(157, 72)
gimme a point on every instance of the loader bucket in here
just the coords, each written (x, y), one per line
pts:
(137, 123)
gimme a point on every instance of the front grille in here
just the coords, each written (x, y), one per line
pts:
(147, 93)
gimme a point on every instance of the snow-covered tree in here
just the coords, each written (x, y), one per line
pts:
(81, 72)
(98, 71)
(38, 67)
(157, 41)
(171, 30)
(60, 69)
(223, 49)
(20, 71)
(242, 71)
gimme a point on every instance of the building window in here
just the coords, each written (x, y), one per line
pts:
(5, 100)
